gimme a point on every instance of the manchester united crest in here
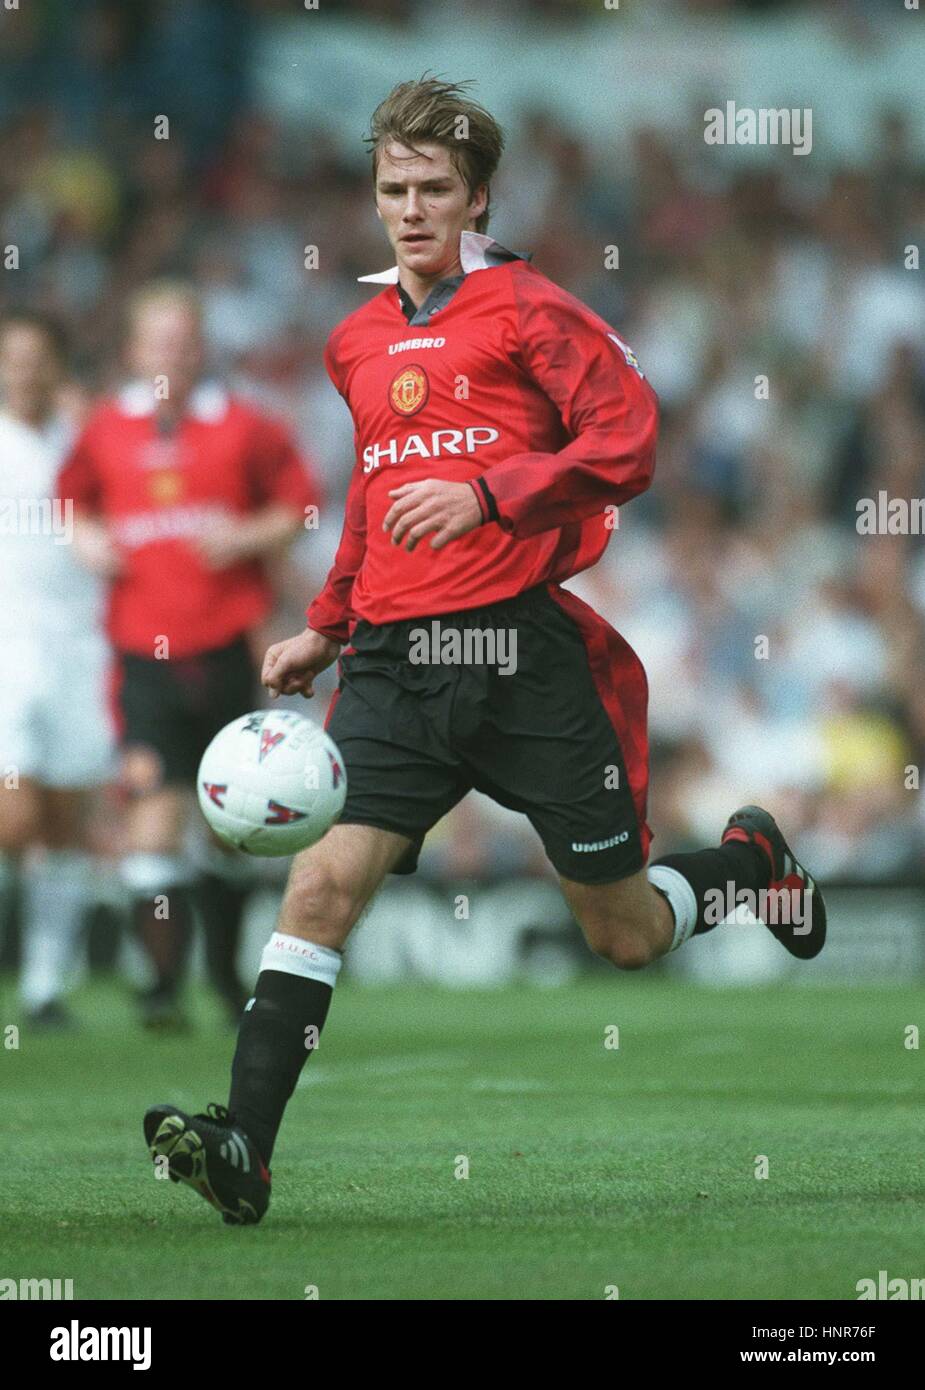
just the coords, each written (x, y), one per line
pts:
(165, 487)
(409, 390)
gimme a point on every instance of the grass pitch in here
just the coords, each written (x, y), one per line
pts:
(588, 1166)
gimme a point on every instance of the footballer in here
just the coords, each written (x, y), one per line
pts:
(498, 423)
(54, 723)
(182, 492)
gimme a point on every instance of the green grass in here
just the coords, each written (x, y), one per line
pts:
(587, 1166)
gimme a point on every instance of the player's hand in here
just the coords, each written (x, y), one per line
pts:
(96, 550)
(225, 543)
(447, 509)
(290, 667)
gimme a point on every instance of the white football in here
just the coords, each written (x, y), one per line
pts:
(271, 783)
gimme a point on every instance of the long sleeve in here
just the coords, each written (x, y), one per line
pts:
(604, 402)
(78, 479)
(276, 470)
(331, 612)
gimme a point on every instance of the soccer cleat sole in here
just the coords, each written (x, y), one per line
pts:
(186, 1162)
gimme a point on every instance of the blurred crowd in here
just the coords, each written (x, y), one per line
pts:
(772, 306)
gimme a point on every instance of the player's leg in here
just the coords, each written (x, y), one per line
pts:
(224, 882)
(225, 878)
(754, 867)
(634, 921)
(157, 772)
(225, 1155)
(628, 923)
(20, 813)
(566, 743)
(73, 731)
(329, 886)
(402, 777)
(20, 817)
(20, 751)
(42, 828)
(157, 875)
(39, 829)
(57, 883)
(8, 881)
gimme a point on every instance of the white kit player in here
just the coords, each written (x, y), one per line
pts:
(56, 741)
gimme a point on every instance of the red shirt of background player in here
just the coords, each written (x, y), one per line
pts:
(159, 493)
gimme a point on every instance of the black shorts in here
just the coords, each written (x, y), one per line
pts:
(561, 737)
(175, 708)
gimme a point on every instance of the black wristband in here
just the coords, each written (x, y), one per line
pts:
(490, 502)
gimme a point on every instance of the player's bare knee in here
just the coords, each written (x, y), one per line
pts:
(630, 952)
(623, 943)
(318, 905)
(141, 771)
(16, 836)
(20, 820)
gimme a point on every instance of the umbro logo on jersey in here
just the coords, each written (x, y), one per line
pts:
(410, 344)
(456, 442)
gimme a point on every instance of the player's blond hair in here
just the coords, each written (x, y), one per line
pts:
(158, 292)
(440, 113)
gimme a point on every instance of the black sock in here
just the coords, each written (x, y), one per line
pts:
(711, 871)
(165, 939)
(272, 1049)
(221, 909)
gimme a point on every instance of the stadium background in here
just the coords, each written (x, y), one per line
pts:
(733, 262)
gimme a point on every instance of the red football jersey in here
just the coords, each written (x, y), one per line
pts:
(160, 493)
(515, 381)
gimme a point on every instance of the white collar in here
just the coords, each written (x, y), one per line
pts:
(54, 427)
(208, 401)
(472, 249)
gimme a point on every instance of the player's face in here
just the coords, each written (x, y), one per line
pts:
(29, 371)
(424, 203)
(166, 342)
